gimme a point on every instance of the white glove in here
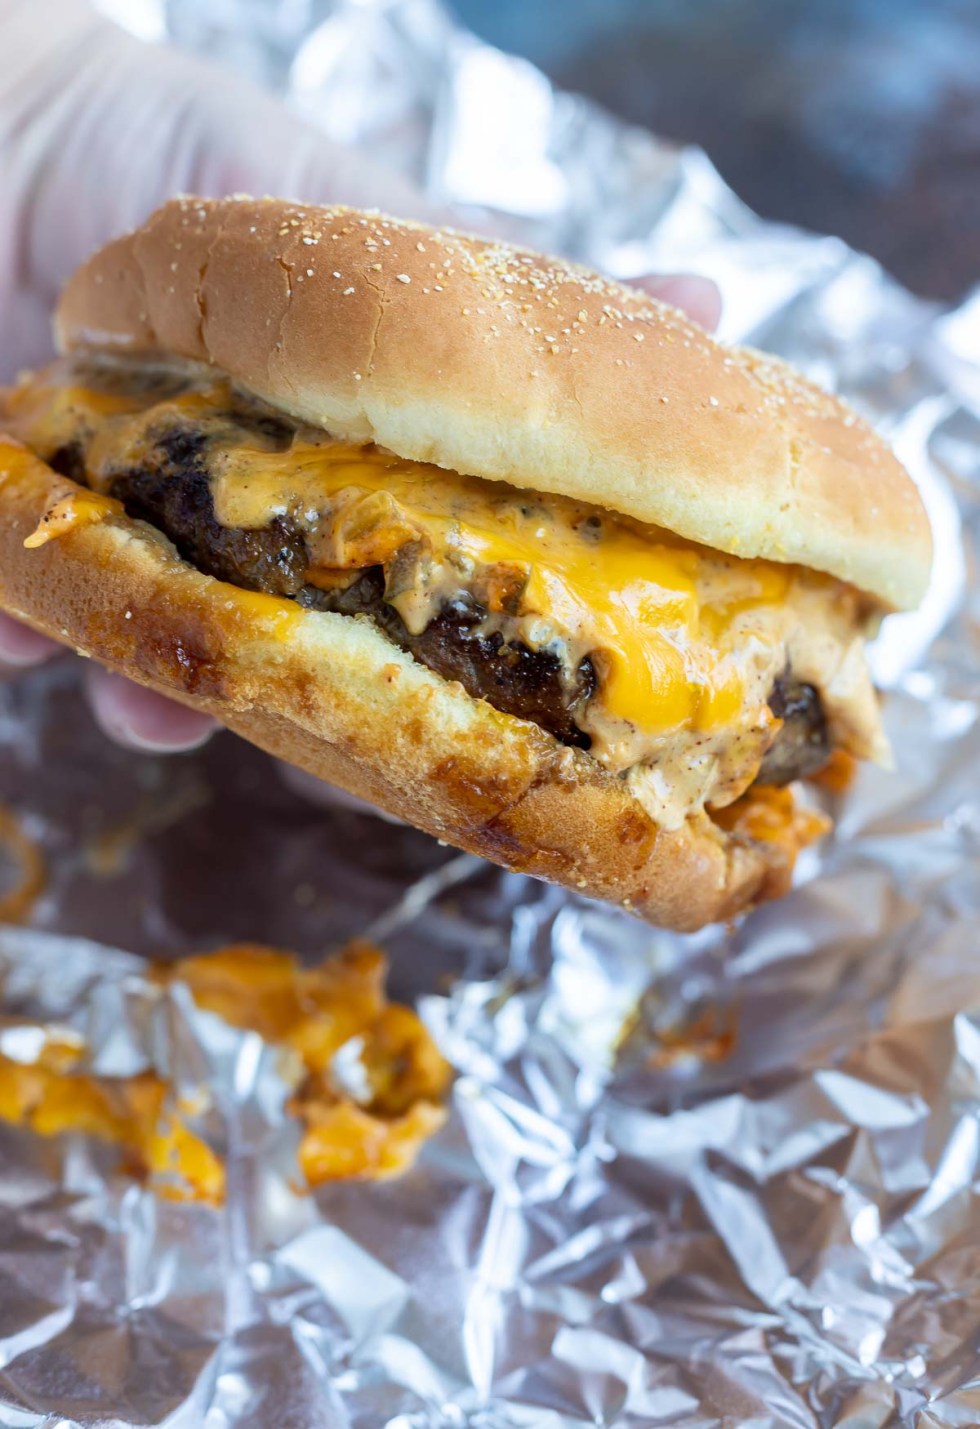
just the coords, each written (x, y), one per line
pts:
(96, 130)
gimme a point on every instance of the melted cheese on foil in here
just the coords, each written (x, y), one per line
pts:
(369, 1083)
(686, 641)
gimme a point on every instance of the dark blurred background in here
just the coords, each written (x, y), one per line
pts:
(855, 117)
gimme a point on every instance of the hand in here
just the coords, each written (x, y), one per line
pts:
(97, 129)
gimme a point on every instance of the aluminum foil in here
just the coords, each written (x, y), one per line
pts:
(711, 1181)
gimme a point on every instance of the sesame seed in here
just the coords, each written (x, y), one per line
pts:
(336, 275)
(309, 272)
(638, 337)
(420, 247)
(403, 278)
(713, 401)
(347, 292)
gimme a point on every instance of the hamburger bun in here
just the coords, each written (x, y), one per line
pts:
(500, 363)
(497, 363)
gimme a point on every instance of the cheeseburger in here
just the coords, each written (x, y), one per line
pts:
(508, 549)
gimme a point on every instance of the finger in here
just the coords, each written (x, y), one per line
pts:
(21, 647)
(699, 297)
(142, 719)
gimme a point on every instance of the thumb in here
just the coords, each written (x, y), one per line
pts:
(697, 296)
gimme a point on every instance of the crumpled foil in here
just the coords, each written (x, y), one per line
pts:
(721, 1180)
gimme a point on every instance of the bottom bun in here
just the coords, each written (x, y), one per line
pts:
(331, 694)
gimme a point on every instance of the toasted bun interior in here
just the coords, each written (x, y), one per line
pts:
(494, 361)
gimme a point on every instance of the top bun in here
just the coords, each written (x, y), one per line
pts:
(494, 361)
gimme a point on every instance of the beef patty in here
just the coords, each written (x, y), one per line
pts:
(803, 744)
(171, 492)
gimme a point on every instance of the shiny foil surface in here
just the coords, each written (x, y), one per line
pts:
(711, 1181)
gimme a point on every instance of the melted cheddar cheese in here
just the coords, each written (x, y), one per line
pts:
(686, 642)
(368, 1084)
(606, 586)
(78, 508)
(17, 849)
(140, 1114)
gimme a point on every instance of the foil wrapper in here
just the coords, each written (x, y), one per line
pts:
(721, 1180)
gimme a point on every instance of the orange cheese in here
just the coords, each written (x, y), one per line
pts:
(51, 1097)
(374, 1129)
(315, 1012)
(772, 816)
(633, 592)
(78, 508)
(685, 642)
(17, 847)
(60, 403)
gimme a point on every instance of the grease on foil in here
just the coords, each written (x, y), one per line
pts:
(714, 1181)
(20, 894)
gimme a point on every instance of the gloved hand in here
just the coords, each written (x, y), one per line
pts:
(97, 129)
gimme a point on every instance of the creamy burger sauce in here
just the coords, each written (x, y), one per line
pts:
(685, 642)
